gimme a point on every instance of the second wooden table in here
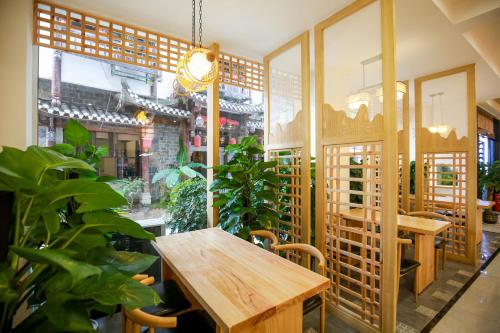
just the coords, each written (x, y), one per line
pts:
(425, 231)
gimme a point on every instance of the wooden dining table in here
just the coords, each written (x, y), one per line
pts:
(425, 231)
(243, 287)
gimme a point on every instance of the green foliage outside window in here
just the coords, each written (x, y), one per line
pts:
(188, 206)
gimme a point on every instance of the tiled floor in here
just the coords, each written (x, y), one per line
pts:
(477, 310)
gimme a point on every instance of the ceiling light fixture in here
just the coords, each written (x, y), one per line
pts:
(440, 127)
(198, 68)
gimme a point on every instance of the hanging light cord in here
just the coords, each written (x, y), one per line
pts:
(193, 24)
(200, 33)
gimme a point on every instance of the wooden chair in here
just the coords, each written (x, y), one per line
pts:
(316, 301)
(266, 234)
(133, 321)
(405, 266)
(440, 241)
(401, 211)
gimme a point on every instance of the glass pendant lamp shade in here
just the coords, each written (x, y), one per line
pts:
(438, 127)
(197, 69)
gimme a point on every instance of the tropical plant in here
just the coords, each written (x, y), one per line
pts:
(489, 178)
(245, 189)
(130, 188)
(173, 176)
(187, 206)
(353, 185)
(78, 144)
(58, 257)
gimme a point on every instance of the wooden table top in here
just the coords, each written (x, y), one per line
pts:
(481, 204)
(418, 225)
(238, 283)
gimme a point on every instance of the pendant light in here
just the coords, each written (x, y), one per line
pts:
(401, 90)
(438, 127)
(198, 68)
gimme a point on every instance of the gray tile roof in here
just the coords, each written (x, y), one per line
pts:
(230, 107)
(152, 106)
(86, 112)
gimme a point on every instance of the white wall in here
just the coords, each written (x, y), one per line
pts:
(16, 80)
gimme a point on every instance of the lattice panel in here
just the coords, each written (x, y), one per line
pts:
(240, 72)
(289, 188)
(353, 248)
(445, 192)
(73, 31)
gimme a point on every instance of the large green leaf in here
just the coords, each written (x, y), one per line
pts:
(89, 194)
(76, 134)
(66, 314)
(129, 263)
(7, 294)
(63, 148)
(78, 270)
(111, 222)
(115, 288)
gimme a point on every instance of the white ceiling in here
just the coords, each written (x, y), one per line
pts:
(427, 41)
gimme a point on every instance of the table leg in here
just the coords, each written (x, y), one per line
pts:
(424, 253)
(479, 225)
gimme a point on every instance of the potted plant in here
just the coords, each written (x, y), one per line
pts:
(489, 178)
(245, 189)
(58, 256)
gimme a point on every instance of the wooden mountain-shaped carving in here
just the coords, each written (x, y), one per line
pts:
(336, 124)
(434, 141)
(289, 133)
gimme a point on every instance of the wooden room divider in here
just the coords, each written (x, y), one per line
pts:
(357, 162)
(446, 154)
(404, 149)
(287, 135)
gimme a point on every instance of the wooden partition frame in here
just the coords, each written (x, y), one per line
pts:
(389, 274)
(293, 139)
(428, 143)
(404, 151)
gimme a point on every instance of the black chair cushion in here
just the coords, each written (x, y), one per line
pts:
(439, 243)
(190, 322)
(311, 304)
(173, 300)
(408, 265)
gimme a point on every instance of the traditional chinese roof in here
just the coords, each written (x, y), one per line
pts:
(86, 112)
(155, 107)
(229, 107)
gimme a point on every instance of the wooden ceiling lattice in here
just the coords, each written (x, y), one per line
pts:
(73, 31)
(353, 248)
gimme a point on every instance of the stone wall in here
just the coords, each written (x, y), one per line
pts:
(80, 95)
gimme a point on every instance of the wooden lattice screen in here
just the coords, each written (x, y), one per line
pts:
(288, 142)
(357, 168)
(446, 165)
(353, 248)
(447, 171)
(77, 32)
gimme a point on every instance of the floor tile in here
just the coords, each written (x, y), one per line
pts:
(426, 311)
(403, 328)
(465, 273)
(455, 283)
(442, 295)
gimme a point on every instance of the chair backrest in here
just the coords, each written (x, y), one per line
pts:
(266, 234)
(430, 215)
(136, 319)
(401, 211)
(303, 248)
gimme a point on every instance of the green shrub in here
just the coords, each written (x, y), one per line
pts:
(187, 206)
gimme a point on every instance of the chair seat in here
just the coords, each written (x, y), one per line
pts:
(311, 303)
(190, 322)
(439, 242)
(408, 265)
(173, 300)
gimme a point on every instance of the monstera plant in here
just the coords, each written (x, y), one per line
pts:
(245, 189)
(56, 254)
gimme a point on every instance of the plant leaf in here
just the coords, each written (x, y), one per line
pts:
(129, 263)
(76, 134)
(111, 222)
